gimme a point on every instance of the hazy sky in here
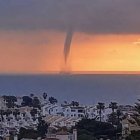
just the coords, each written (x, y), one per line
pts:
(106, 35)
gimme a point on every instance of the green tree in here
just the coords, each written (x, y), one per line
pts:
(27, 133)
(86, 137)
(115, 117)
(75, 103)
(112, 118)
(36, 103)
(90, 128)
(42, 127)
(135, 135)
(27, 101)
(10, 101)
(52, 100)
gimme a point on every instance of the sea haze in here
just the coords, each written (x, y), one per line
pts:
(86, 88)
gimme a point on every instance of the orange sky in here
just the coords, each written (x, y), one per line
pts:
(42, 52)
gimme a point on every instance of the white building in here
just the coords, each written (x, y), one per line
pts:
(66, 111)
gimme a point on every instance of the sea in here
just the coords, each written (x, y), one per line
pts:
(88, 89)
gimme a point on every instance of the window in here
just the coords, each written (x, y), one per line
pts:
(80, 111)
(80, 115)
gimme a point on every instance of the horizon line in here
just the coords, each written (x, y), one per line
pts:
(72, 72)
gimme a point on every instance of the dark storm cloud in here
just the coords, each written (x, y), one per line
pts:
(90, 16)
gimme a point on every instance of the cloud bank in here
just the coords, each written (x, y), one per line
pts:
(88, 16)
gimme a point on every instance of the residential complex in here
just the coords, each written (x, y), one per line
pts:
(17, 112)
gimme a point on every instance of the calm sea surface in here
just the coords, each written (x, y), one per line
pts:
(89, 89)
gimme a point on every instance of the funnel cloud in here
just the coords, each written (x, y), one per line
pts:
(67, 44)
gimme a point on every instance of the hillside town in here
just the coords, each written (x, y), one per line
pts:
(59, 121)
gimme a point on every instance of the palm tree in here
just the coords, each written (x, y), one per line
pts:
(113, 106)
(119, 113)
(100, 107)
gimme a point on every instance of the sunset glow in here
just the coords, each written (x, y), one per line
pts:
(42, 52)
